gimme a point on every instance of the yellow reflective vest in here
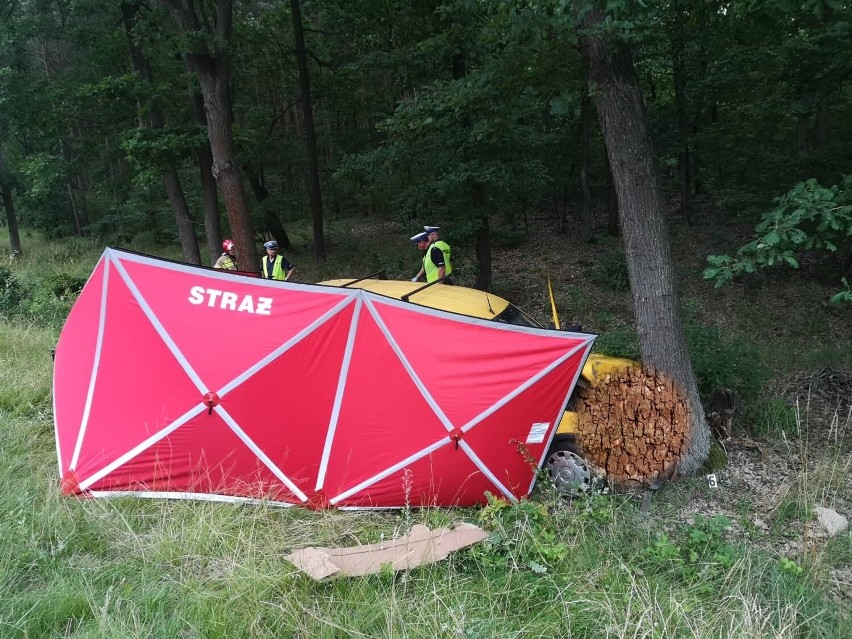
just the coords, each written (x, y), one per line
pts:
(279, 270)
(430, 267)
(226, 262)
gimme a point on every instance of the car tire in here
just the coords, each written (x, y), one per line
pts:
(569, 473)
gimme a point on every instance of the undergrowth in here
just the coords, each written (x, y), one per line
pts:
(593, 566)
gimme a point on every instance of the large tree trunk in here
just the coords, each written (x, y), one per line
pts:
(624, 122)
(214, 75)
(613, 224)
(310, 133)
(9, 207)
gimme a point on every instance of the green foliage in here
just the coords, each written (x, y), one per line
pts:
(698, 553)
(12, 294)
(621, 341)
(723, 360)
(150, 151)
(844, 296)
(809, 217)
(45, 297)
(770, 417)
(610, 272)
(523, 536)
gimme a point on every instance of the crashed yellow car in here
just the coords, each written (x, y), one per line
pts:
(564, 461)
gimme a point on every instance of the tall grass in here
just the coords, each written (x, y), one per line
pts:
(593, 567)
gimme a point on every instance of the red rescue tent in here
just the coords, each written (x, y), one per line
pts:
(177, 381)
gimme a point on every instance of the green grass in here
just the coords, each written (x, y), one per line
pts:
(593, 567)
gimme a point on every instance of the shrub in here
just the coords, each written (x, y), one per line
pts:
(12, 294)
(611, 273)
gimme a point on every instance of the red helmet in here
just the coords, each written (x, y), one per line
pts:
(228, 245)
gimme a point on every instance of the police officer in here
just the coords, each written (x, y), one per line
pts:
(227, 259)
(433, 259)
(434, 233)
(275, 266)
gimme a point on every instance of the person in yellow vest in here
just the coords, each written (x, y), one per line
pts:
(275, 266)
(227, 260)
(434, 267)
(434, 233)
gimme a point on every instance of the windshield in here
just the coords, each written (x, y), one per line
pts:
(514, 315)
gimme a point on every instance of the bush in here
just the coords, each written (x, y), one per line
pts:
(12, 294)
(611, 273)
(724, 361)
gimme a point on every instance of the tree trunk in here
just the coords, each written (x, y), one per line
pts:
(803, 134)
(209, 198)
(612, 222)
(9, 207)
(186, 228)
(483, 242)
(624, 122)
(681, 102)
(585, 150)
(214, 75)
(261, 193)
(156, 121)
(82, 204)
(821, 123)
(310, 133)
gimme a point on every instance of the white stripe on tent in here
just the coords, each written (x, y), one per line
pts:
(520, 389)
(290, 343)
(126, 457)
(239, 432)
(447, 424)
(414, 307)
(402, 358)
(338, 397)
(84, 422)
(388, 471)
(558, 417)
(161, 330)
(172, 346)
(485, 470)
(186, 495)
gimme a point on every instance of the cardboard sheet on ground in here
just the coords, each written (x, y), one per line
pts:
(418, 547)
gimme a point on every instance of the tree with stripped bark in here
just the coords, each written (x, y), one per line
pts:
(623, 119)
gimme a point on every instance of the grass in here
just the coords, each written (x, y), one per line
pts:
(593, 567)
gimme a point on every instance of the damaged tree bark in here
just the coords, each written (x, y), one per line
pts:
(634, 425)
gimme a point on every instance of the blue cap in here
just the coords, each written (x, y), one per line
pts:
(271, 244)
(419, 237)
(431, 229)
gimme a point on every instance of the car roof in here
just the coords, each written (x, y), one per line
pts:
(456, 299)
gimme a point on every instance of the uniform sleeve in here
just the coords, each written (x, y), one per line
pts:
(285, 263)
(437, 256)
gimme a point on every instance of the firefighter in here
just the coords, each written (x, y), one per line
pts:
(227, 259)
(275, 266)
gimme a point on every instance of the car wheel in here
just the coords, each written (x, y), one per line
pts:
(569, 472)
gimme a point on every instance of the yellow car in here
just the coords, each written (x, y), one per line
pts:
(568, 470)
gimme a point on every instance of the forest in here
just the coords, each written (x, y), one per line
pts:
(681, 170)
(120, 118)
